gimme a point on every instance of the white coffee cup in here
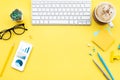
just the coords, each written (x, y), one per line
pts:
(105, 13)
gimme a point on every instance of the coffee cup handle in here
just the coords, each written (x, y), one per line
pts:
(111, 24)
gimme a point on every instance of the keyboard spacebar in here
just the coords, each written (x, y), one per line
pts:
(58, 22)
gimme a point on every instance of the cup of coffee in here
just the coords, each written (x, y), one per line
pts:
(105, 13)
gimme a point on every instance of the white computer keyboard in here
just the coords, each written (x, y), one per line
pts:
(66, 12)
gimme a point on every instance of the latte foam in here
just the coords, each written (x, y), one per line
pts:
(105, 12)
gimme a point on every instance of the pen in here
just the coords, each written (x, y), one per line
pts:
(104, 64)
(101, 70)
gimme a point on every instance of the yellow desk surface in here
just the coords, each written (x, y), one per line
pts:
(59, 52)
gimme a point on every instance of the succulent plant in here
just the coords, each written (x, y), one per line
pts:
(119, 47)
(16, 15)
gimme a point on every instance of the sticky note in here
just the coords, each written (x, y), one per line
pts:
(103, 40)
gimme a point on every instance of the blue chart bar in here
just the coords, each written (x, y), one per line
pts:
(22, 57)
(27, 49)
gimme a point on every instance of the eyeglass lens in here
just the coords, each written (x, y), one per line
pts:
(19, 29)
(6, 35)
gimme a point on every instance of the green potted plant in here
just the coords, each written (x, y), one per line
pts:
(16, 15)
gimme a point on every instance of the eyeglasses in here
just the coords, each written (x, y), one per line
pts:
(17, 29)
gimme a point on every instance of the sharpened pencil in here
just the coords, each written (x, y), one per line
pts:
(101, 70)
(8, 56)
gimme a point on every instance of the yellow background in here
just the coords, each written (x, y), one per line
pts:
(59, 52)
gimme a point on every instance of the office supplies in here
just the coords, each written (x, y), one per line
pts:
(90, 54)
(21, 55)
(109, 30)
(101, 70)
(5, 60)
(103, 40)
(66, 12)
(119, 47)
(89, 45)
(18, 29)
(114, 56)
(94, 49)
(106, 67)
(96, 32)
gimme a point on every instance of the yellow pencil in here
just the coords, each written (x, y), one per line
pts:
(9, 54)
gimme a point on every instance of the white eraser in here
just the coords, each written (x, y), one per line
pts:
(21, 55)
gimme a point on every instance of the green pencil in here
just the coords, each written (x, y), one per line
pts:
(106, 67)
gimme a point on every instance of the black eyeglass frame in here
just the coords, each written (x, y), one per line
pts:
(13, 29)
